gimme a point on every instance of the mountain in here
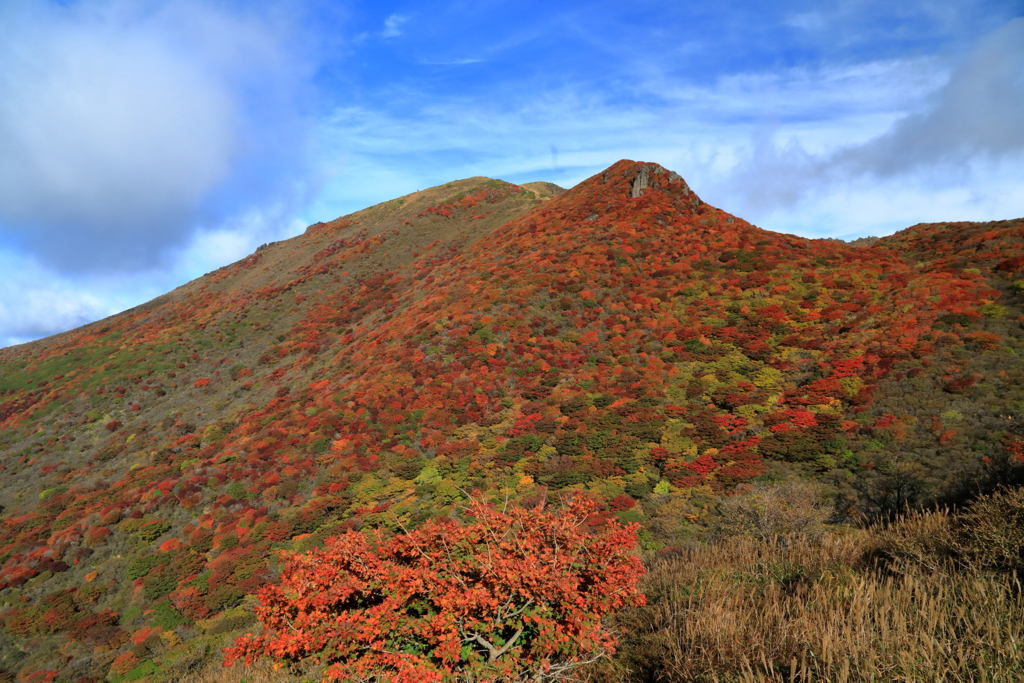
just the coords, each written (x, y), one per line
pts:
(622, 337)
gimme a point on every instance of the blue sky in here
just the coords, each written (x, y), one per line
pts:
(146, 142)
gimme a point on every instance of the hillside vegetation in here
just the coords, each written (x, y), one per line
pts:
(622, 340)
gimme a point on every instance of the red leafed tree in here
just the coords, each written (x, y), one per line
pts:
(511, 595)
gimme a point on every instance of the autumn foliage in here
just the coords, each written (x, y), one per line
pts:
(507, 595)
(623, 340)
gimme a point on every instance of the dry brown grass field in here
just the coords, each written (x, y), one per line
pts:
(932, 597)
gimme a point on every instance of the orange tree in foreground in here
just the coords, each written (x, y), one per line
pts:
(513, 595)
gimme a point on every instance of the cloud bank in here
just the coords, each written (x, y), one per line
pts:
(979, 113)
(970, 125)
(124, 126)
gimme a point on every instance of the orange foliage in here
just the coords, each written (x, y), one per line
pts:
(507, 593)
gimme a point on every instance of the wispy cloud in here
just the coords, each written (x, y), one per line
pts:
(234, 239)
(957, 135)
(393, 25)
(451, 62)
(821, 151)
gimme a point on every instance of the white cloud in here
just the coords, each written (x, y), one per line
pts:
(978, 113)
(393, 25)
(868, 206)
(212, 248)
(122, 124)
(450, 62)
(97, 126)
(962, 139)
(36, 302)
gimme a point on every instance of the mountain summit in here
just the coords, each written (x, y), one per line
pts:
(621, 338)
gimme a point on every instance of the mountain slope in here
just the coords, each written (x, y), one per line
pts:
(622, 338)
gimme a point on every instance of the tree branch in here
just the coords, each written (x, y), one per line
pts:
(492, 652)
(511, 615)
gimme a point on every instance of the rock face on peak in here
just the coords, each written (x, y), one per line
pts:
(646, 175)
(641, 175)
(620, 338)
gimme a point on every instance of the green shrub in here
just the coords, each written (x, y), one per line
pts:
(159, 582)
(993, 311)
(144, 670)
(130, 614)
(145, 531)
(166, 617)
(49, 493)
(141, 566)
(238, 491)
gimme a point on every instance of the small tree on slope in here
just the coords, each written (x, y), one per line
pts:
(508, 596)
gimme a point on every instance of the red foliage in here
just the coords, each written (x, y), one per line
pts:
(984, 340)
(171, 545)
(622, 502)
(124, 663)
(505, 594)
(1011, 264)
(524, 424)
(1015, 447)
(958, 385)
(40, 676)
(702, 465)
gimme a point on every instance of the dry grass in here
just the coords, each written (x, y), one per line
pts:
(885, 605)
(262, 672)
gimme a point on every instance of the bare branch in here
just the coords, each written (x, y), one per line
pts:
(512, 615)
(493, 652)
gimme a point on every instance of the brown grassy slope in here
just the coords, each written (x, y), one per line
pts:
(543, 189)
(275, 263)
(253, 289)
(930, 598)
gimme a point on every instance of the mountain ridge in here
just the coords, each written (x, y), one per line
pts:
(620, 338)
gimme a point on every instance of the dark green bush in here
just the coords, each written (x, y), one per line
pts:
(141, 566)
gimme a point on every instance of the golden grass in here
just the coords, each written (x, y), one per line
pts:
(261, 672)
(754, 611)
